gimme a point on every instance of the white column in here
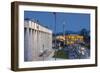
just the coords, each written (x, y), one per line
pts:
(30, 46)
(48, 41)
(37, 48)
(33, 45)
(26, 43)
(39, 41)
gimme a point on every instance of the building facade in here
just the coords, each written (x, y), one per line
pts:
(37, 42)
(71, 38)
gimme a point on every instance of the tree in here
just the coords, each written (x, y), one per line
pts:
(86, 34)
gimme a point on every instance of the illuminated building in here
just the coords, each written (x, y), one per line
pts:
(71, 38)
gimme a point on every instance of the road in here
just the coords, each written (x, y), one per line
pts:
(77, 52)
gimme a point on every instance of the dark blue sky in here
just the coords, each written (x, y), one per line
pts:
(73, 21)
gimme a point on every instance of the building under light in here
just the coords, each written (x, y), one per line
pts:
(71, 38)
(37, 41)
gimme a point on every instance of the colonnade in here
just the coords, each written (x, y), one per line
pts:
(37, 41)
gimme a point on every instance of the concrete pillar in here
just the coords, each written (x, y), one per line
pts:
(39, 41)
(26, 43)
(33, 45)
(30, 46)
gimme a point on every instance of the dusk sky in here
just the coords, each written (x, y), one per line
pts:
(73, 21)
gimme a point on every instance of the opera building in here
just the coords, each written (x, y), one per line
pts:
(37, 41)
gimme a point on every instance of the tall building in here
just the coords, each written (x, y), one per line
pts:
(37, 41)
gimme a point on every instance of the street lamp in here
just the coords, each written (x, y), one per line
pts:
(55, 34)
(64, 33)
